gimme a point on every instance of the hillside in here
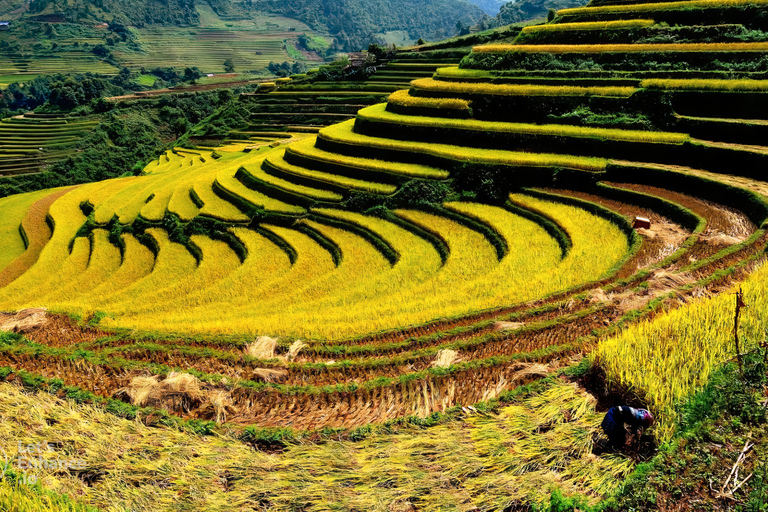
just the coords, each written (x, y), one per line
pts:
(352, 24)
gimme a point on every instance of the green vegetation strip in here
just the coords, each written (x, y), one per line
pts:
(379, 114)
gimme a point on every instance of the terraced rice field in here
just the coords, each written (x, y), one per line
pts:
(207, 48)
(307, 285)
(30, 142)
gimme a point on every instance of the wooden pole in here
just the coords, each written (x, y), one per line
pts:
(739, 304)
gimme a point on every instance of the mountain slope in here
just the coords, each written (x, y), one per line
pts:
(354, 23)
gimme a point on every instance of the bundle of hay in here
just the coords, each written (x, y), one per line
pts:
(263, 347)
(445, 358)
(24, 321)
(177, 393)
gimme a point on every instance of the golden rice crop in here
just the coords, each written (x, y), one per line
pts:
(308, 149)
(314, 298)
(588, 25)
(47, 273)
(13, 209)
(379, 114)
(668, 358)
(129, 202)
(344, 133)
(331, 179)
(214, 206)
(481, 88)
(623, 48)
(156, 207)
(100, 263)
(226, 180)
(37, 233)
(404, 99)
(302, 190)
(266, 294)
(181, 203)
(705, 84)
(659, 6)
(176, 273)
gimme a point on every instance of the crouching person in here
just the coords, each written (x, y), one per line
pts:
(618, 419)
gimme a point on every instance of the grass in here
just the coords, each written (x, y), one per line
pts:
(442, 87)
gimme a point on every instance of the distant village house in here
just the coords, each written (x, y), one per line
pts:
(357, 59)
(5, 25)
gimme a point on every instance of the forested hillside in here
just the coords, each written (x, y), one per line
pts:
(138, 13)
(523, 10)
(352, 23)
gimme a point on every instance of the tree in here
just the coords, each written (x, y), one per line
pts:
(229, 66)
(421, 41)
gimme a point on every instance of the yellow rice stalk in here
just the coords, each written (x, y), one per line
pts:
(13, 209)
(588, 25)
(311, 192)
(481, 88)
(227, 181)
(660, 6)
(705, 85)
(331, 179)
(491, 462)
(308, 149)
(379, 114)
(668, 358)
(313, 297)
(404, 99)
(623, 48)
(24, 498)
(343, 132)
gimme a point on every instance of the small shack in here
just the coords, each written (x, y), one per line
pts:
(5, 25)
(357, 59)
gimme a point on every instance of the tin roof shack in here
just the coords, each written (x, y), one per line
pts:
(5, 25)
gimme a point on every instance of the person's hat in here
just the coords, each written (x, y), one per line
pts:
(645, 417)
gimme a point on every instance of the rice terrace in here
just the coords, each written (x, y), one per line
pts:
(412, 278)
